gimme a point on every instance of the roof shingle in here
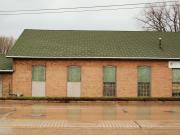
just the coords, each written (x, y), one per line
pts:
(93, 44)
(5, 63)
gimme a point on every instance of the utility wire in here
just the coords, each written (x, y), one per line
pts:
(75, 11)
(132, 4)
(86, 10)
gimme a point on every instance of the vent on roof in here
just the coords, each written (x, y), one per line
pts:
(160, 42)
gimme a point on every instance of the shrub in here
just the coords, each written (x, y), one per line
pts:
(68, 99)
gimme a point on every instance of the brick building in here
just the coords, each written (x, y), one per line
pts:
(96, 63)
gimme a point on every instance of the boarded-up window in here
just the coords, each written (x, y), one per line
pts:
(109, 79)
(144, 74)
(74, 74)
(109, 74)
(38, 73)
(176, 82)
(144, 79)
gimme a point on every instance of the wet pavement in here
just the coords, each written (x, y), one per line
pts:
(89, 118)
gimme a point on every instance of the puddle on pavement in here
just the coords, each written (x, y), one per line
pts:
(171, 111)
(38, 111)
(4, 111)
(90, 113)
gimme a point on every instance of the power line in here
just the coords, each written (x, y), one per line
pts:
(78, 11)
(101, 6)
(74, 11)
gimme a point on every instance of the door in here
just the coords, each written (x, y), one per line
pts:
(74, 81)
(109, 81)
(1, 86)
(38, 81)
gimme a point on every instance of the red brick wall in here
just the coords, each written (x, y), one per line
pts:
(6, 84)
(161, 80)
(92, 77)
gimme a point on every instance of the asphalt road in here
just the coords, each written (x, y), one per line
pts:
(89, 118)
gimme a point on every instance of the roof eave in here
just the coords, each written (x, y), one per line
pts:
(143, 58)
(5, 71)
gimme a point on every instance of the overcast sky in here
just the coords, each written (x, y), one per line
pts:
(102, 20)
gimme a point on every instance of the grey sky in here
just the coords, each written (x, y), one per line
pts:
(102, 20)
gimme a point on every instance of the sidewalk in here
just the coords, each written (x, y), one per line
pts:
(103, 124)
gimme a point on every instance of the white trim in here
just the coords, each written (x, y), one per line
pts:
(6, 70)
(39, 57)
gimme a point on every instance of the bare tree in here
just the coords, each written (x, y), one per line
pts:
(161, 17)
(6, 43)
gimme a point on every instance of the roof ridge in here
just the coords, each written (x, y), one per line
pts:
(93, 30)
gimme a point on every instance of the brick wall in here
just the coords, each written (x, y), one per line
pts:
(92, 77)
(6, 84)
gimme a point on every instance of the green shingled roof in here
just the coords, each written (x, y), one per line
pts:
(5, 63)
(96, 44)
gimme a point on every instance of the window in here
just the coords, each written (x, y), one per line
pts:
(144, 79)
(38, 73)
(176, 82)
(74, 74)
(1, 87)
(109, 81)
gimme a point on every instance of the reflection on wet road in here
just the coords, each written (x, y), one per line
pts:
(139, 118)
(90, 113)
